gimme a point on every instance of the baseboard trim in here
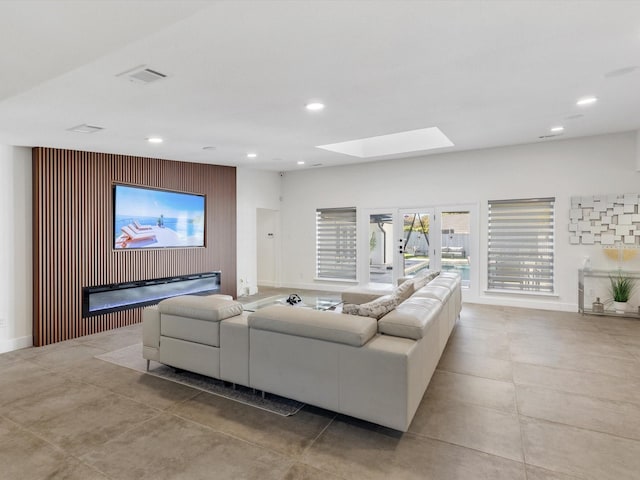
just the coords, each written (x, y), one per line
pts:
(15, 344)
(314, 286)
(524, 303)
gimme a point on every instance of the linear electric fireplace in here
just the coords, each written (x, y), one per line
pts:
(122, 296)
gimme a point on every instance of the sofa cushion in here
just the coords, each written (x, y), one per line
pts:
(374, 309)
(321, 325)
(450, 283)
(211, 308)
(438, 292)
(410, 319)
(450, 275)
(454, 279)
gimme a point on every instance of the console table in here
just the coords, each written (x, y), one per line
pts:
(601, 274)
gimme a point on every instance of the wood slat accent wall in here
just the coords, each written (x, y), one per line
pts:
(73, 234)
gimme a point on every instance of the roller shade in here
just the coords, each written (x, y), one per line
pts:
(521, 245)
(336, 243)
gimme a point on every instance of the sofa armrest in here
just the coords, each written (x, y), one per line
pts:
(212, 308)
(411, 319)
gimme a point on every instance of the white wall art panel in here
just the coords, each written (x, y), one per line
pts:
(605, 219)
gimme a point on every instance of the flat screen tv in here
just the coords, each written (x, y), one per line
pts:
(153, 218)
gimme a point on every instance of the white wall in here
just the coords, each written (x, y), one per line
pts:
(588, 166)
(560, 169)
(15, 248)
(255, 190)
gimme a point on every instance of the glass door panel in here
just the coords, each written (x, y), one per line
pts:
(456, 244)
(416, 242)
(381, 253)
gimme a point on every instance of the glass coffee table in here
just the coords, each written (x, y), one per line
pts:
(315, 302)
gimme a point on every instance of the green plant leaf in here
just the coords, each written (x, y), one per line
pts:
(621, 287)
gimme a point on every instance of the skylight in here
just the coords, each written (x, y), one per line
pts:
(392, 144)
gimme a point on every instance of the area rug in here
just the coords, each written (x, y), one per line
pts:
(131, 357)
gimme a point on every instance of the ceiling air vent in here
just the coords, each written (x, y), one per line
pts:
(142, 74)
(84, 128)
(549, 136)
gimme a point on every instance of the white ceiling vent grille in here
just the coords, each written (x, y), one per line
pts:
(142, 75)
(84, 128)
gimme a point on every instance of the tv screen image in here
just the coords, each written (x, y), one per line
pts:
(152, 218)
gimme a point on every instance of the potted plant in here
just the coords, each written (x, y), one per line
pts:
(621, 289)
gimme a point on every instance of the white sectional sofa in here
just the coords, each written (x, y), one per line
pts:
(372, 369)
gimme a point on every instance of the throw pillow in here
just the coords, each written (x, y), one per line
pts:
(350, 308)
(405, 290)
(420, 282)
(432, 275)
(377, 308)
(424, 277)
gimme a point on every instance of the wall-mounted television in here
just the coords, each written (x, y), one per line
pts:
(147, 217)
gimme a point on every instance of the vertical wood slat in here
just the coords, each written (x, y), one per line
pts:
(73, 234)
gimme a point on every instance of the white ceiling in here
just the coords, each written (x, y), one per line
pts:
(487, 73)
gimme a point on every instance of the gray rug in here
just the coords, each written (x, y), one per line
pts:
(131, 357)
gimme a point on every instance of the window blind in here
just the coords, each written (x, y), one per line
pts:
(521, 245)
(336, 243)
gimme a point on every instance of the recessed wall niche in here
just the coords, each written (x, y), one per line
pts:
(605, 220)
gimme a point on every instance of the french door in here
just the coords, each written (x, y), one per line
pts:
(417, 245)
(456, 247)
(400, 242)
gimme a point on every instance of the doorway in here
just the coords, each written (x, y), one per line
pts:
(381, 251)
(402, 242)
(417, 242)
(455, 243)
(267, 232)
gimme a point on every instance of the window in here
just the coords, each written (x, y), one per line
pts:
(336, 243)
(521, 234)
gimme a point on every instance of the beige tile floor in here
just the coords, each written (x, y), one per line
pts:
(519, 394)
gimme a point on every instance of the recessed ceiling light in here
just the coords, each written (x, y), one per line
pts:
(586, 101)
(314, 106)
(300, 162)
(252, 155)
(392, 144)
(154, 140)
(557, 129)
